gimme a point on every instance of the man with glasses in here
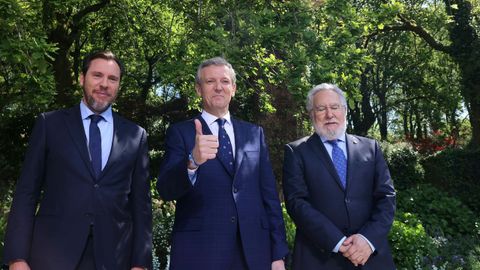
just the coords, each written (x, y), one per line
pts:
(338, 191)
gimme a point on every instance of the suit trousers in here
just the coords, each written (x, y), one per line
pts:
(87, 261)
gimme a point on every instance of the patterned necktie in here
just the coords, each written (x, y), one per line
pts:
(95, 144)
(225, 152)
(339, 161)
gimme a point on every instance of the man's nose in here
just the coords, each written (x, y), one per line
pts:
(104, 82)
(218, 86)
(329, 112)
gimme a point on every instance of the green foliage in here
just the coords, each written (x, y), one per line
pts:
(409, 240)
(163, 217)
(456, 171)
(441, 214)
(26, 83)
(5, 199)
(404, 164)
(289, 227)
(434, 231)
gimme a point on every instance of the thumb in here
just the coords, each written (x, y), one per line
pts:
(347, 241)
(198, 127)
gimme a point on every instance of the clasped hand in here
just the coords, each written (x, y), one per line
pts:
(356, 249)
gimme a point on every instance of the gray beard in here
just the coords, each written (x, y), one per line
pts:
(93, 105)
(331, 134)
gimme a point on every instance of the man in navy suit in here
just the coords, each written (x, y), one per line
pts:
(94, 204)
(338, 192)
(228, 215)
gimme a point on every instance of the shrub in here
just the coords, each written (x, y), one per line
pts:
(410, 242)
(290, 229)
(6, 200)
(163, 217)
(456, 171)
(440, 214)
(404, 164)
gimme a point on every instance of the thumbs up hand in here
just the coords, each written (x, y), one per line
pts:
(206, 146)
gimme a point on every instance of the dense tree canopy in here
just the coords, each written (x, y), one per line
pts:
(410, 68)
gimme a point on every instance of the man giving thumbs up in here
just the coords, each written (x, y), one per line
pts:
(217, 168)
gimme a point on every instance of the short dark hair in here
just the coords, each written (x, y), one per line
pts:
(107, 55)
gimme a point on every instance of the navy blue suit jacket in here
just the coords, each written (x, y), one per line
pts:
(210, 213)
(324, 212)
(58, 177)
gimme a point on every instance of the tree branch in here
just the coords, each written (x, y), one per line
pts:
(418, 30)
(84, 12)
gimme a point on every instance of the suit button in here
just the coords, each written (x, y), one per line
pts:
(235, 190)
(96, 186)
(347, 201)
(233, 219)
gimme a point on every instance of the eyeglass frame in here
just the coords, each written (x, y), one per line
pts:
(333, 108)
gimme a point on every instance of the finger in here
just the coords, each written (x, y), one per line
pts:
(210, 138)
(198, 127)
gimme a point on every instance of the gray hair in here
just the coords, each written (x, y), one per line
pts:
(324, 87)
(216, 61)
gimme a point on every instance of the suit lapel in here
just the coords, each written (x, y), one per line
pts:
(73, 121)
(239, 142)
(352, 152)
(320, 151)
(206, 130)
(118, 143)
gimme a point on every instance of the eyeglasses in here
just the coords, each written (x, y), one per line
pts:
(333, 108)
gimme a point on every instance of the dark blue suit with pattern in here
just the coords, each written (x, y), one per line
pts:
(211, 214)
(324, 211)
(58, 176)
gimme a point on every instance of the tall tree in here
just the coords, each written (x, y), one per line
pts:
(464, 48)
(63, 22)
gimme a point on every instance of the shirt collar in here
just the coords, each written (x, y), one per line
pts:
(86, 112)
(341, 138)
(210, 118)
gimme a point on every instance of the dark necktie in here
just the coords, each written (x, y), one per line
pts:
(225, 152)
(95, 144)
(339, 161)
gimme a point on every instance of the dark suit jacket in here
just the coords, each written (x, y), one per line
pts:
(324, 212)
(58, 176)
(210, 213)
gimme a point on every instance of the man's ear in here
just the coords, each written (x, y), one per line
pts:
(81, 79)
(234, 87)
(198, 89)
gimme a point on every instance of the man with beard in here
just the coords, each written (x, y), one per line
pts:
(86, 170)
(338, 191)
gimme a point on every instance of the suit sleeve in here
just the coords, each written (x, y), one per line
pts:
(19, 231)
(173, 181)
(376, 229)
(314, 225)
(142, 208)
(279, 247)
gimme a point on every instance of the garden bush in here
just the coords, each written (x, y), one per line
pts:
(456, 171)
(409, 242)
(163, 217)
(441, 214)
(404, 164)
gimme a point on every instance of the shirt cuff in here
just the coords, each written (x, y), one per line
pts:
(370, 244)
(192, 175)
(339, 244)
